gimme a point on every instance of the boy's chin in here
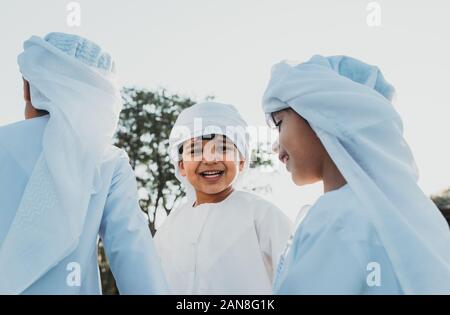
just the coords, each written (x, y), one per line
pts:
(301, 180)
(215, 191)
(298, 180)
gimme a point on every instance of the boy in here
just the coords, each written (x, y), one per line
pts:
(62, 183)
(373, 231)
(223, 240)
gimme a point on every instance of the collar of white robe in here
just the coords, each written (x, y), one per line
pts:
(347, 103)
(73, 80)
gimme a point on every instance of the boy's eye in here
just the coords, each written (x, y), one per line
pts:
(196, 151)
(278, 125)
(225, 147)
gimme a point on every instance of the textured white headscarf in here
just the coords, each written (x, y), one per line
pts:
(74, 80)
(347, 103)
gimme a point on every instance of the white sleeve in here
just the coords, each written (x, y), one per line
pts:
(127, 238)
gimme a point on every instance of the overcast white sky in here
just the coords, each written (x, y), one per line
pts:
(226, 48)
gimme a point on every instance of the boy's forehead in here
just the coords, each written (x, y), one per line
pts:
(199, 140)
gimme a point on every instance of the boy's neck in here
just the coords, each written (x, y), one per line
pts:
(212, 198)
(332, 177)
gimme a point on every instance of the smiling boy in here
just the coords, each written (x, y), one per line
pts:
(222, 240)
(373, 231)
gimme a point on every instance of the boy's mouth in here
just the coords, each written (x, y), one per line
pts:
(212, 174)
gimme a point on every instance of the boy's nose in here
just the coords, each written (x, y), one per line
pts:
(209, 154)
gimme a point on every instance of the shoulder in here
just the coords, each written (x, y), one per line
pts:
(182, 207)
(116, 156)
(23, 131)
(167, 226)
(251, 198)
(18, 125)
(21, 142)
(339, 229)
(342, 216)
(117, 161)
(259, 205)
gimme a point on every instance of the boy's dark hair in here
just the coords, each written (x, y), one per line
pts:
(204, 137)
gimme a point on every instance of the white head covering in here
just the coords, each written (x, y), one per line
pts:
(204, 119)
(74, 80)
(347, 103)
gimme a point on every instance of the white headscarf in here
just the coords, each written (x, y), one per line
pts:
(347, 103)
(74, 80)
(204, 119)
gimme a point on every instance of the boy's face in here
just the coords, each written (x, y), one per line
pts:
(299, 148)
(210, 166)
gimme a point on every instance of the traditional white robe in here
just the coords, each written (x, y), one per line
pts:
(231, 247)
(382, 215)
(113, 214)
(336, 250)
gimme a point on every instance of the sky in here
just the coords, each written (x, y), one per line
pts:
(226, 48)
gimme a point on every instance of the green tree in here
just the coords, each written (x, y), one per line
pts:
(442, 201)
(144, 128)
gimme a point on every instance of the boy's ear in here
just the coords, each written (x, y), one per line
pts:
(181, 168)
(241, 165)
